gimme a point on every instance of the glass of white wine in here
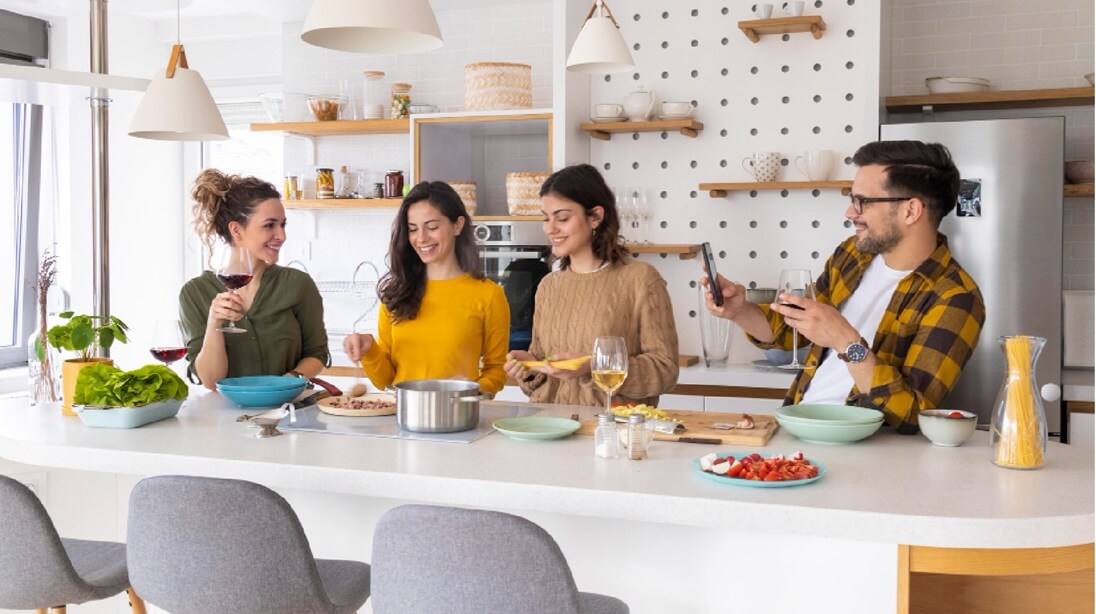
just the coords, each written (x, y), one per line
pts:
(609, 366)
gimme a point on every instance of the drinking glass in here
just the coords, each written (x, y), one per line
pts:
(800, 283)
(168, 343)
(643, 212)
(627, 216)
(609, 366)
(235, 272)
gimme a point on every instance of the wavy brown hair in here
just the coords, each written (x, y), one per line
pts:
(583, 184)
(221, 199)
(403, 286)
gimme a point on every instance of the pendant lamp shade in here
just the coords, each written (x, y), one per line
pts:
(177, 106)
(599, 47)
(372, 26)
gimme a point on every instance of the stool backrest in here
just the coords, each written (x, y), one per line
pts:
(438, 559)
(199, 545)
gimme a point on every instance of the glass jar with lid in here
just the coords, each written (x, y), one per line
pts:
(393, 184)
(325, 183)
(374, 94)
(401, 100)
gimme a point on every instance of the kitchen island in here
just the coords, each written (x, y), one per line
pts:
(653, 532)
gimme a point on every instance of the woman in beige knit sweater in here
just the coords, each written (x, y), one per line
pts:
(599, 290)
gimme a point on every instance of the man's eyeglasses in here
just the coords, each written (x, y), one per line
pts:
(858, 201)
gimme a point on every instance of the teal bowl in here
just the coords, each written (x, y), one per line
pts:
(262, 397)
(260, 382)
(818, 432)
(846, 415)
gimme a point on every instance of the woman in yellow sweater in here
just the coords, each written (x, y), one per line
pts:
(439, 317)
(599, 290)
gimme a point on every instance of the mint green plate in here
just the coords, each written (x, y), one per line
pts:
(536, 427)
(722, 479)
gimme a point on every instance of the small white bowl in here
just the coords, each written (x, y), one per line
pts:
(954, 85)
(944, 429)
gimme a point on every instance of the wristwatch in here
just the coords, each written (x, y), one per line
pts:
(856, 351)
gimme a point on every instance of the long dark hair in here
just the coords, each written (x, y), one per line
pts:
(403, 286)
(221, 199)
(583, 184)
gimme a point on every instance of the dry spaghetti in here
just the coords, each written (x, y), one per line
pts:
(1020, 440)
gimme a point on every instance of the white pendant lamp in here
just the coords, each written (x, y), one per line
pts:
(177, 105)
(599, 47)
(372, 26)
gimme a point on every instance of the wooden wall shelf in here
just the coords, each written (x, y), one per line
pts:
(720, 190)
(1004, 99)
(683, 251)
(603, 132)
(343, 203)
(1079, 189)
(338, 128)
(757, 28)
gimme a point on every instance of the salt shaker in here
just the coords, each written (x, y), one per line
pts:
(637, 437)
(606, 442)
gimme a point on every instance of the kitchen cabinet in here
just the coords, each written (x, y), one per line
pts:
(604, 131)
(756, 28)
(720, 190)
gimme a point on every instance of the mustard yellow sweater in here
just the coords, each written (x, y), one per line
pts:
(627, 300)
(461, 321)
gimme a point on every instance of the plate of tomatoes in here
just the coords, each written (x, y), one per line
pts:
(757, 471)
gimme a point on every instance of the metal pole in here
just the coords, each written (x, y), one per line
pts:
(100, 167)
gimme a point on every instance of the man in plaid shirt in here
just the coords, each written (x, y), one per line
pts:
(894, 282)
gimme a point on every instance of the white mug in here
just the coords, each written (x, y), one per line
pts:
(764, 11)
(762, 165)
(817, 164)
(794, 8)
(608, 110)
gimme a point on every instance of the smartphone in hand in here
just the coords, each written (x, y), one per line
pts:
(713, 275)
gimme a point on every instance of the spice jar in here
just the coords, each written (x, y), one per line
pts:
(606, 444)
(637, 437)
(292, 188)
(401, 100)
(325, 183)
(393, 184)
(373, 95)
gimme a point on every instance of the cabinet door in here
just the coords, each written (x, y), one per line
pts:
(742, 405)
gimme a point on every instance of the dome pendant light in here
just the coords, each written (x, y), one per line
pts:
(372, 26)
(599, 47)
(177, 105)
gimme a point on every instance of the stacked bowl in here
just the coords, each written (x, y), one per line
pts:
(261, 390)
(829, 423)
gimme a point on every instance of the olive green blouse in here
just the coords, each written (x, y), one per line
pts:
(284, 324)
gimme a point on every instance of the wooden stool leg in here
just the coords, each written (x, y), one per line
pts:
(40, 611)
(135, 603)
(58, 609)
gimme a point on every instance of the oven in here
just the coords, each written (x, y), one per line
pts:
(515, 254)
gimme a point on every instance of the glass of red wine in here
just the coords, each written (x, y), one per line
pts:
(168, 344)
(797, 282)
(235, 273)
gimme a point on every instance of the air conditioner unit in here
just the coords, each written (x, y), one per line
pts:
(23, 40)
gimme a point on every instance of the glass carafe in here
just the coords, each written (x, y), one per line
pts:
(1018, 427)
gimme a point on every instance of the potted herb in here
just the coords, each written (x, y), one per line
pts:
(84, 334)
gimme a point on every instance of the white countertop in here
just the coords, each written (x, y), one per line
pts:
(889, 488)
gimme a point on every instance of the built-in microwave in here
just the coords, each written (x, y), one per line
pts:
(515, 254)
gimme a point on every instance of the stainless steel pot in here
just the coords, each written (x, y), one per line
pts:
(437, 405)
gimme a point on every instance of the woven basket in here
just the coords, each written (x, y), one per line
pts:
(493, 86)
(467, 192)
(523, 192)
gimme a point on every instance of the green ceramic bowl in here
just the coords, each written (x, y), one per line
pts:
(847, 415)
(818, 432)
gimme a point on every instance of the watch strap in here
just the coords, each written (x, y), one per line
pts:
(862, 342)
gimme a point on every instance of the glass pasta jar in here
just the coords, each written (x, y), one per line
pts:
(401, 100)
(325, 183)
(1018, 427)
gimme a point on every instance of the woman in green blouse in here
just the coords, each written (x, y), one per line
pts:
(280, 308)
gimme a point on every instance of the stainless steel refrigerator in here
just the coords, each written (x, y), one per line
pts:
(1006, 232)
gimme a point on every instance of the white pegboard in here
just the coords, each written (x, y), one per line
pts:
(787, 93)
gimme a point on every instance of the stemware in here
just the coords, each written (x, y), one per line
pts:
(627, 216)
(609, 366)
(236, 272)
(643, 214)
(800, 283)
(168, 343)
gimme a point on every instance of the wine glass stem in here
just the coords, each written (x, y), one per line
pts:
(795, 346)
(608, 402)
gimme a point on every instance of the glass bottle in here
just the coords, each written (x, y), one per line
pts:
(348, 101)
(325, 183)
(373, 95)
(1018, 427)
(606, 439)
(401, 100)
(637, 437)
(344, 182)
(43, 369)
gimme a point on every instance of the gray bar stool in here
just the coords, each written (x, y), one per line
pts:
(208, 546)
(40, 570)
(429, 559)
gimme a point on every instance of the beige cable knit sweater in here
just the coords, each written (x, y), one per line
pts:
(627, 300)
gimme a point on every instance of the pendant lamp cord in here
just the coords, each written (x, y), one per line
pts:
(178, 23)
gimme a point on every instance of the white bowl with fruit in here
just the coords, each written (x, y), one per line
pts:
(947, 427)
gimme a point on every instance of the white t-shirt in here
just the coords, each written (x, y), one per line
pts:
(864, 310)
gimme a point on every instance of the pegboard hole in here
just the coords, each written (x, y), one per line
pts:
(784, 255)
(635, 136)
(817, 67)
(695, 43)
(664, 164)
(724, 72)
(786, 38)
(848, 224)
(848, 160)
(754, 100)
(635, 47)
(753, 131)
(753, 254)
(635, 166)
(849, 97)
(692, 164)
(694, 12)
(665, 136)
(635, 77)
(783, 193)
(692, 194)
(723, 163)
(817, 98)
(665, 44)
(695, 74)
(722, 254)
(725, 10)
(664, 225)
(692, 313)
(723, 102)
(665, 14)
(665, 75)
(783, 131)
(849, 65)
(815, 224)
(816, 193)
(753, 223)
(753, 193)
(663, 194)
(608, 165)
(753, 70)
(850, 33)
(785, 99)
(784, 162)
(815, 255)
(635, 17)
(785, 68)
(692, 283)
(783, 223)
(816, 130)
(723, 41)
(848, 128)
(752, 285)
(722, 223)
(818, 4)
(608, 78)
(692, 224)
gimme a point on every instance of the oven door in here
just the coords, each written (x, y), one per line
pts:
(518, 269)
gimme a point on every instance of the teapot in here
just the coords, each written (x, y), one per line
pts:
(639, 105)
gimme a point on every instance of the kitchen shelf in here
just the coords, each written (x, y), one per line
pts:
(339, 127)
(1004, 99)
(1079, 189)
(757, 28)
(343, 203)
(603, 132)
(507, 218)
(719, 190)
(684, 251)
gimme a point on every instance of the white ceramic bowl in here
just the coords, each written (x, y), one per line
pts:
(676, 109)
(944, 430)
(954, 85)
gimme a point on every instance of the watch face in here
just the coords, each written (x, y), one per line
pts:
(856, 352)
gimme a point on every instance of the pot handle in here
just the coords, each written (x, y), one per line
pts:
(476, 398)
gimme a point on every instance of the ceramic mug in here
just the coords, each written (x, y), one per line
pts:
(608, 110)
(676, 109)
(762, 165)
(794, 8)
(816, 164)
(763, 11)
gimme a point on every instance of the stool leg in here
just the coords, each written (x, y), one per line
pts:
(135, 603)
(40, 611)
(57, 609)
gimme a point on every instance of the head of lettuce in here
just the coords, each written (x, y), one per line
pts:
(105, 385)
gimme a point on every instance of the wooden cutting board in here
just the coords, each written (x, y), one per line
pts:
(698, 424)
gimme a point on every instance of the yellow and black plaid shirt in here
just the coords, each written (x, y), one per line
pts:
(927, 334)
